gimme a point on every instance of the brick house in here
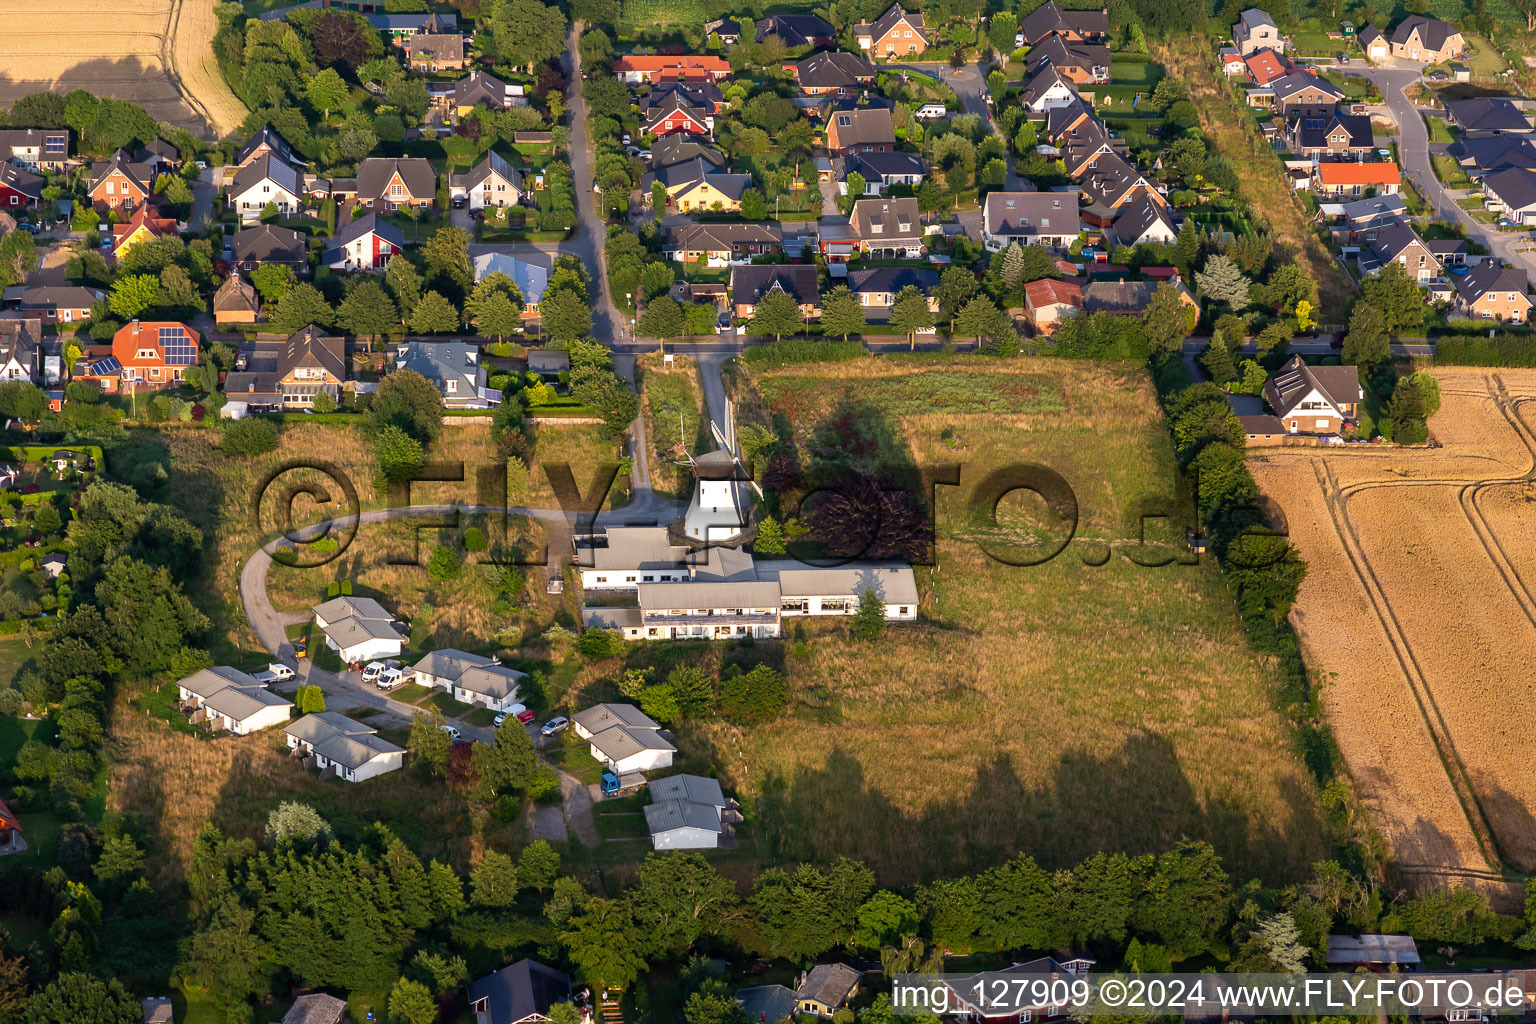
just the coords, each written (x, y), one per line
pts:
(641, 69)
(1314, 399)
(1341, 137)
(435, 51)
(1079, 63)
(1300, 94)
(119, 183)
(1399, 243)
(1492, 291)
(393, 183)
(896, 33)
(860, 131)
(1426, 39)
(154, 354)
(750, 283)
(1051, 19)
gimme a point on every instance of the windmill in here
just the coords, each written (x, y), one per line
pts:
(718, 510)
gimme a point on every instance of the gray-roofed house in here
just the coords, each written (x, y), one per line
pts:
(529, 271)
(1374, 42)
(227, 698)
(1362, 219)
(681, 149)
(623, 557)
(400, 27)
(623, 737)
(1142, 220)
(365, 243)
(1426, 39)
(1488, 114)
(316, 1008)
(767, 1004)
(235, 302)
(896, 33)
(877, 288)
(1030, 218)
(1079, 63)
(1256, 30)
(1399, 243)
(826, 988)
(719, 244)
(55, 303)
(1340, 137)
(888, 228)
(689, 812)
(1301, 94)
(1125, 298)
(470, 678)
(36, 149)
(1313, 399)
(352, 749)
(1512, 192)
(1047, 89)
(1500, 151)
(492, 182)
(1347, 952)
(860, 131)
(834, 73)
(881, 170)
(520, 993)
(454, 367)
(393, 183)
(268, 243)
(264, 142)
(358, 628)
(157, 1010)
(797, 30)
(267, 180)
(750, 283)
(1493, 291)
(1076, 26)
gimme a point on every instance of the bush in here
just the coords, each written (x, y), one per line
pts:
(474, 540)
(545, 787)
(249, 437)
(445, 564)
(801, 350)
(600, 643)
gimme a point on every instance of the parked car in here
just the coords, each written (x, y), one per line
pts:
(391, 678)
(30, 229)
(374, 669)
(452, 732)
(459, 201)
(276, 672)
(241, 360)
(1343, 58)
(554, 725)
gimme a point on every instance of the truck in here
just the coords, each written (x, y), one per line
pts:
(616, 785)
(276, 672)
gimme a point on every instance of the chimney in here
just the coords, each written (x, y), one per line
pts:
(135, 327)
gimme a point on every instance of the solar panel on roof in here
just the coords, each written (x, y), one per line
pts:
(179, 348)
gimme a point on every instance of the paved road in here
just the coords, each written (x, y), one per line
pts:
(203, 194)
(970, 85)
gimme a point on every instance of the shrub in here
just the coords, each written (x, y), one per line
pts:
(445, 564)
(600, 643)
(474, 540)
(249, 437)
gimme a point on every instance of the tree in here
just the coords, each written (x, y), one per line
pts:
(292, 821)
(841, 313)
(1217, 360)
(445, 258)
(133, 294)
(1367, 344)
(272, 281)
(566, 315)
(604, 943)
(869, 619)
(754, 206)
(855, 186)
(434, 314)
(494, 882)
(527, 33)
(602, 390)
(1164, 321)
(499, 316)
(404, 283)
(14, 990)
(1221, 281)
(366, 311)
(430, 742)
(978, 318)
(538, 865)
(302, 306)
(326, 91)
(883, 919)
(411, 1002)
(508, 763)
(677, 899)
(565, 1013)
(910, 313)
(249, 437)
(407, 400)
(1398, 298)
(776, 313)
(74, 998)
(655, 279)
(663, 319)
(323, 402)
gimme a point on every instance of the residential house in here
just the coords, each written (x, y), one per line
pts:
(435, 51)
(767, 1004)
(1080, 152)
(1363, 219)
(896, 33)
(1050, 300)
(826, 988)
(394, 183)
(705, 96)
(401, 27)
(1480, 157)
(623, 737)
(1340, 137)
(636, 70)
(9, 475)
(478, 89)
(1143, 219)
(55, 303)
(154, 354)
(1488, 114)
(160, 156)
(671, 150)
(54, 564)
(235, 302)
(877, 288)
(1256, 30)
(727, 30)
(470, 678)
(623, 557)
(144, 225)
(881, 170)
(1345, 179)
(1426, 39)
(529, 271)
(36, 149)
(833, 73)
(1399, 243)
(1300, 94)
(1374, 952)
(963, 990)
(266, 181)
(1314, 399)
(1046, 90)
(1051, 19)
(520, 993)
(1079, 63)
(1231, 62)
(119, 183)
(1374, 43)
(860, 131)
(310, 362)
(493, 182)
(1267, 66)
(888, 228)
(1030, 218)
(1512, 192)
(358, 629)
(1109, 184)
(1493, 291)
(264, 143)
(366, 243)
(797, 30)
(697, 186)
(688, 812)
(267, 243)
(676, 114)
(353, 749)
(750, 283)
(316, 1008)
(719, 244)
(454, 368)
(1071, 121)
(1128, 298)
(20, 349)
(227, 698)
(19, 189)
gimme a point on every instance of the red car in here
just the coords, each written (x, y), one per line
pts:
(525, 716)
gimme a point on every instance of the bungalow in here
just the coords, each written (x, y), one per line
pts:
(36, 149)
(1128, 298)
(154, 354)
(880, 171)
(1492, 291)
(1051, 300)
(119, 183)
(1339, 179)
(1079, 63)
(750, 283)
(826, 988)
(267, 243)
(719, 244)
(1256, 30)
(479, 89)
(1142, 220)
(435, 52)
(676, 114)
(352, 749)
(688, 812)
(1426, 39)
(393, 183)
(1266, 66)
(263, 182)
(470, 678)
(1480, 157)
(358, 629)
(671, 150)
(860, 131)
(529, 271)
(235, 302)
(1488, 114)
(767, 1004)
(493, 182)
(1340, 137)
(888, 228)
(727, 30)
(1075, 26)
(366, 243)
(896, 33)
(316, 1008)
(227, 698)
(833, 73)
(454, 368)
(797, 30)
(623, 557)
(520, 993)
(19, 189)
(637, 70)
(1512, 192)
(1047, 89)
(876, 289)
(144, 225)
(699, 187)
(54, 303)
(623, 737)
(1314, 399)
(55, 563)
(1300, 94)
(20, 349)
(1400, 244)
(1030, 218)
(1372, 951)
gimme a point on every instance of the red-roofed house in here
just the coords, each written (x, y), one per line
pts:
(153, 354)
(1050, 300)
(10, 831)
(1347, 179)
(1266, 65)
(1232, 61)
(144, 225)
(637, 70)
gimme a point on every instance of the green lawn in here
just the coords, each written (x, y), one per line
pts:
(1450, 172)
(576, 759)
(450, 708)
(479, 716)
(1143, 73)
(620, 824)
(413, 693)
(1318, 44)
(14, 656)
(1486, 62)
(161, 703)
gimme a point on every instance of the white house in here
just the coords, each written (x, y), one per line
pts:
(230, 699)
(358, 628)
(624, 738)
(688, 812)
(352, 748)
(366, 243)
(1047, 90)
(623, 557)
(266, 180)
(1030, 218)
(470, 678)
(493, 182)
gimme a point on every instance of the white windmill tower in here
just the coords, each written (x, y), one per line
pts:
(718, 510)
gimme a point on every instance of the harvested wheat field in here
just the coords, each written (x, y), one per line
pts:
(157, 53)
(1417, 611)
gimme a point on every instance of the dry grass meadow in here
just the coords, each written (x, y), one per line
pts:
(672, 400)
(157, 53)
(1418, 612)
(1059, 709)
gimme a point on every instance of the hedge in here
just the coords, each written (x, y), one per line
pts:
(1506, 350)
(801, 350)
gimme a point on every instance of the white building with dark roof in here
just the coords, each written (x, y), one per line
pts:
(353, 749)
(227, 698)
(358, 629)
(624, 738)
